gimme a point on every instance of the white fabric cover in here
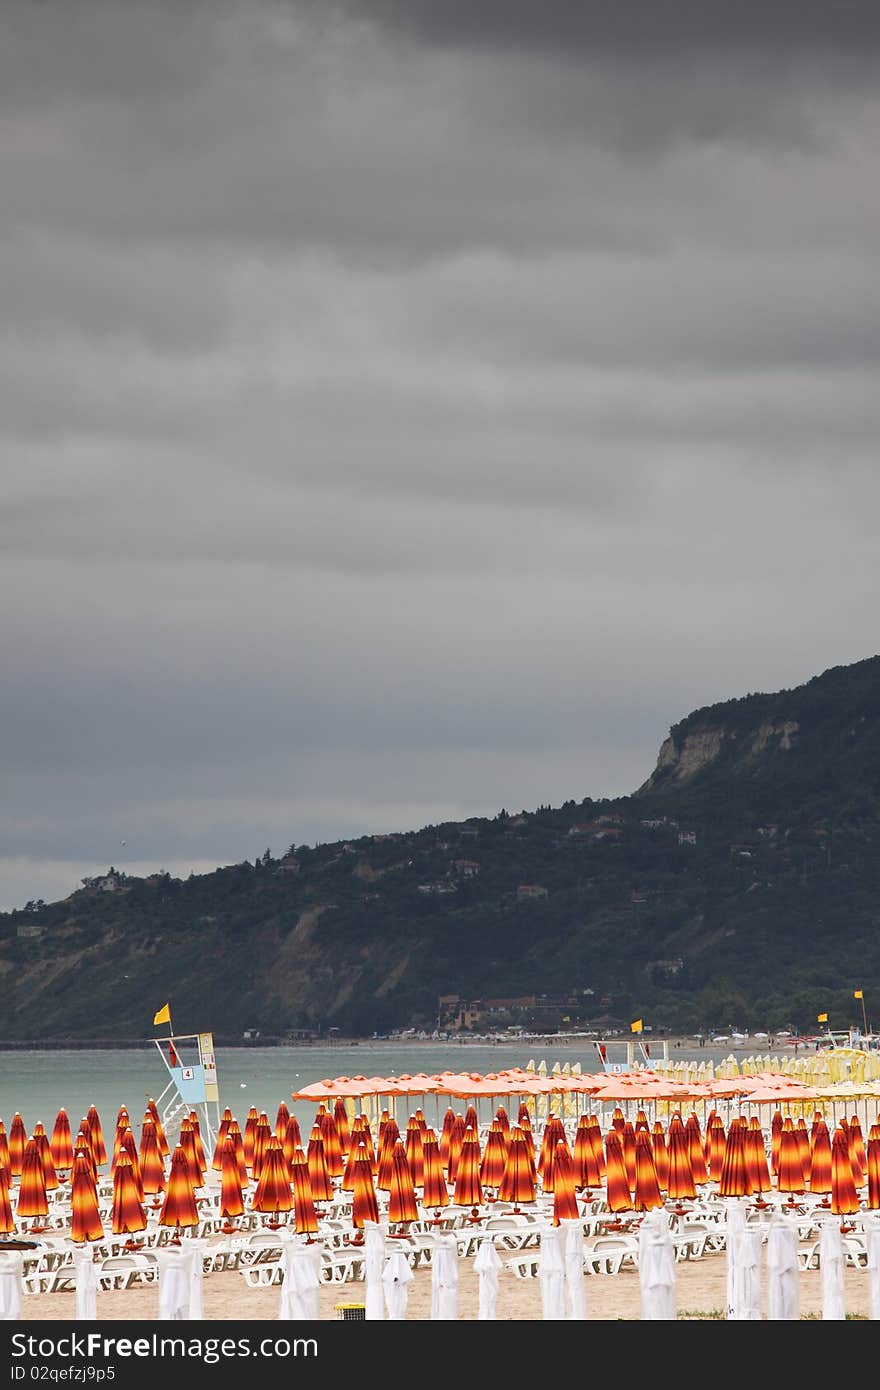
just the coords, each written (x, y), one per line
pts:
(396, 1279)
(551, 1272)
(196, 1309)
(175, 1283)
(374, 1261)
(872, 1231)
(783, 1290)
(444, 1278)
(573, 1259)
(11, 1266)
(300, 1282)
(86, 1286)
(656, 1267)
(487, 1263)
(743, 1268)
(831, 1266)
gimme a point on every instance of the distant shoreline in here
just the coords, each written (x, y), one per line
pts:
(694, 1043)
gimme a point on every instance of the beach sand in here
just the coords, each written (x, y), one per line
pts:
(700, 1292)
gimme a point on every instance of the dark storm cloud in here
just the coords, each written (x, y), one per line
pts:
(411, 410)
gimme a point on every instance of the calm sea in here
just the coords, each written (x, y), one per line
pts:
(39, 1083)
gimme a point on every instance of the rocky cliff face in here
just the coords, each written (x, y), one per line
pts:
(681, 758)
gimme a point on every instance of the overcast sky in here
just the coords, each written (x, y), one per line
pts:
(412, 410)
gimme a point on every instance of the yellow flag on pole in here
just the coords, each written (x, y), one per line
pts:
(636, 1027)
(163, 1016)
(857, 994)
(821, 1018)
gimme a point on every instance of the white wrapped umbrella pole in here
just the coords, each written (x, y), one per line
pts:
(11, 1267)
(86, 1285)
(196, 1309)
(783, 1289)
(573, 1259)
(551, 1273)
(300, 1282)
(656, 1268)
(872, 1232)
(175, 1283)
(743, 1268)
(396, 1279)
(487, 1263)
(831, 1267)
(374, 1263)
(444, 1278)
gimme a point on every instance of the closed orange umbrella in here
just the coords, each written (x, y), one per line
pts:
(234, 1133)
(231, 1194)
(468, 1191)
(128, 1145)
(565, 1205)
(503, 1119)
(17, 1143)
(82, 1146)
(364, 1204)
(844, 1197)
(332, 1145)
(42, 1140)
(179, 1208)
(872, 1160)
(85, 1218)
(388, 1137)
(803, 1138)
(698, 1157)
(33, 1200)
(402, 1206)
(646, 1192)
(756, 1157)
(617, 1192)
(273, 1195)
(96, 1136)
(282, 1115)
(187, 1142)
(304, 1214)
(715, 1145)
(435, 1193)
(262, 1134)
(494, 1157)
(519, 1180)
(164, 1146)
(414, 1150)
(681, 1176)
(128, 1215)
(4, 1150)
(448, 1122)
(223, 1130)
(319, 1178)
(820, 1158)
(7, 1219)
(343, 1129)
(455, 1141)
(735, 1180)
(61, 1143)
(598, 1148)
(775, 1139)
(197, 1141)
(292, 1139)
(661, 1155)
(628, 1140)
(152, 1164)
(250, 1126)
(790, 1173)
(554, 1131)
(857, 1154)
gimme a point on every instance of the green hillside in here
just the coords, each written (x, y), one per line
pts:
(739, 886)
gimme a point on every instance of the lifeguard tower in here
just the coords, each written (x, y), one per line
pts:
(191, 1064)
(628, 1055)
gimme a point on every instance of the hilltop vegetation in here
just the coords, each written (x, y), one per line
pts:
(740, 885)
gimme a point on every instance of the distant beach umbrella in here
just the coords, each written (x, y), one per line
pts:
(164, 1146)
(129, 1146)
(818, 1119)
(503, 1119)
(402, 1206)
(617, 1191)
(698, 1157)
(319, 1178)
(305, 1216)
(680, 1182)
(844, 1197)
(735, 1180)
(471, 1118)
(250, 1125)
(646, 1189)
(128, 1215)
(17, 1143)
(820, 1159)
(7, 1219)
(282, 1115)
(231, 1195)
(618, 1119)
(435, 1193)
(413, 1146)
(273, 1195)
(152, 1164)
(565, 1207)
(42, 1140)
(292, 1139)
(179, 1208)
(468, 1190)
(222, 1131)
(661, 1155)
(61, 1143)
(872, 1161)
(33, 1199)
(789, 1173)
(364, 1204)
(96, 1136)
(85, 1218)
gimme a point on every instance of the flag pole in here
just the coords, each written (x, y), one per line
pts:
(864, 1017)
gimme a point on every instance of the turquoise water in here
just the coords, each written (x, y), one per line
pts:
(38, 1084)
